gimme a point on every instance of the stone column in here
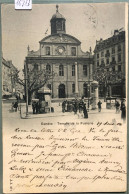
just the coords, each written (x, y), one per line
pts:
(76, 79)
(95, 98)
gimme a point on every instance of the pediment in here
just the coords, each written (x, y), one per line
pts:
(60, 38)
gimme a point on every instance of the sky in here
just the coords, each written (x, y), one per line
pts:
(87, 22)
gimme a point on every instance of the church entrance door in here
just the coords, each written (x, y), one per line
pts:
(61, 91)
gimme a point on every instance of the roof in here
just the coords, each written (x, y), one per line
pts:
(57, 15)
(115, 39)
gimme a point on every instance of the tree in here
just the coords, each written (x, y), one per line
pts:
(106, 76)
(36, 79)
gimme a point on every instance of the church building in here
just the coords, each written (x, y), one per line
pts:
(61, 53)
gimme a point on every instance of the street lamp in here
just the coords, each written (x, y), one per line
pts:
(26, 85)
(88, 95)
(89, 79)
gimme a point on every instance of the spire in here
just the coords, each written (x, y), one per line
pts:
(57, 6)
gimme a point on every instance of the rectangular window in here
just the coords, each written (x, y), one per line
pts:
(102, 54)
(102, 62)
(97, 63)
(85, 70)
(73, 70)
(113, 68)
(47, 50)
(107, 53)
(113, 59)
(73, 88)
(98, 56)
(119, 48)
(36, 67)
(113, 50)
(48, 68)
(61, 70)
(119, 58)
(119, 68)
(107, 61)
(73, 51)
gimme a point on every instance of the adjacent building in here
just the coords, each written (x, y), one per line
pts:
(61, 53)
(9, 84)
(109, 56)
(6, 79)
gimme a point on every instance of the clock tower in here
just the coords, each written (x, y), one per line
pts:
(57, 22)
(61, 53)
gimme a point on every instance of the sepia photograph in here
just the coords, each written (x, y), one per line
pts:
(64, 91)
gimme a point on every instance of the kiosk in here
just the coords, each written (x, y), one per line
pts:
(110, 102)
(44, 96)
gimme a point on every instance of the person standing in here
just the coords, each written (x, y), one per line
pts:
(85, 111)
(34, 106)
(15, 106)
(99, 106)
(75, 106)
(123, 110)
(63, 106)
(117, 104)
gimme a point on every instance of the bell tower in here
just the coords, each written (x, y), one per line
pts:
(57, 22)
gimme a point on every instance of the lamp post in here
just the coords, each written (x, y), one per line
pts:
(88, 95)
(76, 79)
(26, 84)
(89, 79)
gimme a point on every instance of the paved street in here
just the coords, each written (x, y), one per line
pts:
(93, 115)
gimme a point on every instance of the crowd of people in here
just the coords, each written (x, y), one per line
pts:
(77, 106)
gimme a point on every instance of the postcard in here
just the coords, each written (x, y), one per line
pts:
(64, 91)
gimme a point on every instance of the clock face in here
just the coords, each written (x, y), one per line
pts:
(60, 50)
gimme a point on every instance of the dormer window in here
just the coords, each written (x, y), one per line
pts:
(47, 50)
(73, 51)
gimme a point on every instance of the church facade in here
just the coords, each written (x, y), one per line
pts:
(61, 53)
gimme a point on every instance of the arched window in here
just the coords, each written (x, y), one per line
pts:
(48, 68)
(73, 70)
(61, 70)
